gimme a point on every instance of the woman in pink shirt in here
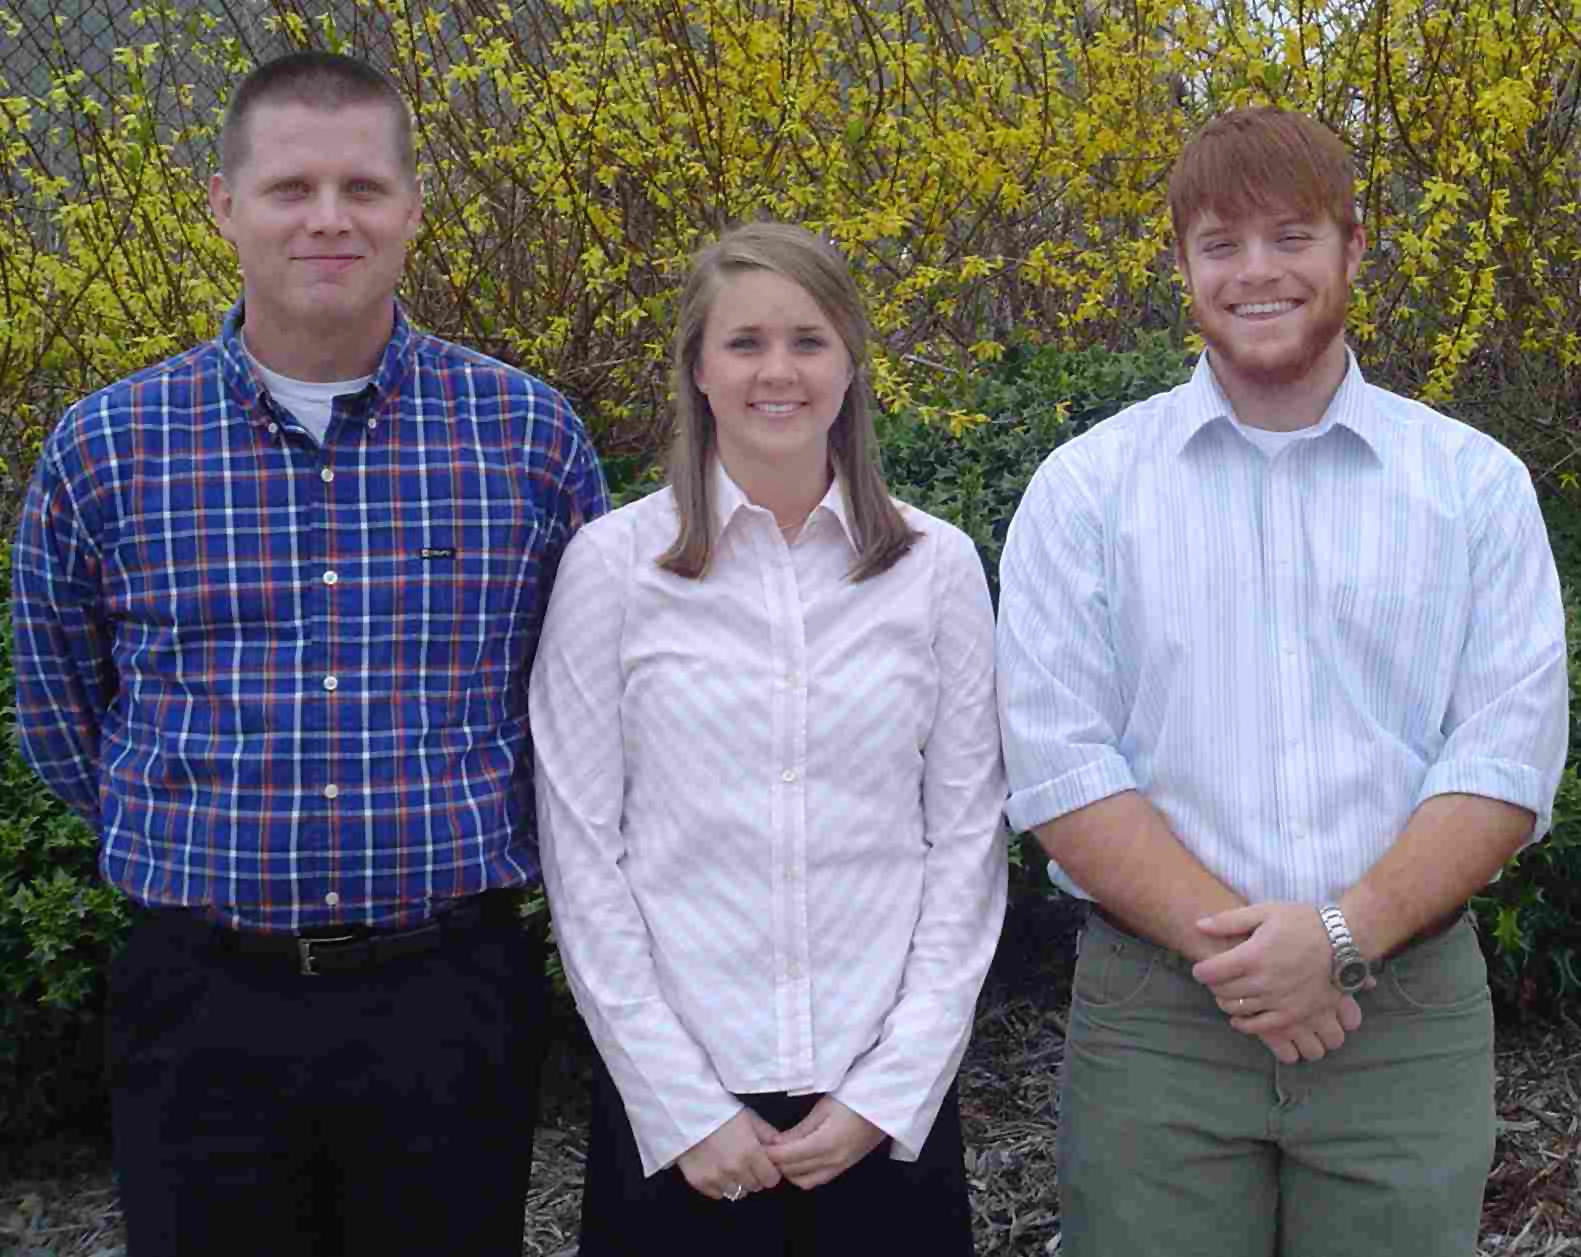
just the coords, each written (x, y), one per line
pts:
(769, 793)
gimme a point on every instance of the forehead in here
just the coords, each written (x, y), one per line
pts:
(752, 295)
(289, 136)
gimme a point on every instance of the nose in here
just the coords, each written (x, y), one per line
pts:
(327, 212)
(776, 364)
(1260, 262)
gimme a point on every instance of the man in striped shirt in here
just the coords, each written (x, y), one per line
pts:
(1282, 684)
(276, 601)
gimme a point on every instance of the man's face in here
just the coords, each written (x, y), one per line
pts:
(320, 212)
(1270, 291)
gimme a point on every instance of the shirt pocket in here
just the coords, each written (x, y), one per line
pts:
(462, 607)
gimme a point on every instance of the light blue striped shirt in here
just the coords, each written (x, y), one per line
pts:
(1286, 653)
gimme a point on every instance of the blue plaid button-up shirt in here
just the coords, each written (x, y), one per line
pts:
(288, 682)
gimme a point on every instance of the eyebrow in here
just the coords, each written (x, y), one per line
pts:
(285, 180)
(758, 327)
(1220, 229)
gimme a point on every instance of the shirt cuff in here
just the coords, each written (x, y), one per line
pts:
(1501, 779)
(1049, 800)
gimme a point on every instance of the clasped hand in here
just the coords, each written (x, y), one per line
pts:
(1275, 983)
(750, 1153)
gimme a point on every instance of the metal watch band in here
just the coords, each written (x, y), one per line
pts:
(1349, 969)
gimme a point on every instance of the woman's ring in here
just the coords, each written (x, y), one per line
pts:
(735, 1193)
(1240, 1004)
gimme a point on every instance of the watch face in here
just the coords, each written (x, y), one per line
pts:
(1352, 975)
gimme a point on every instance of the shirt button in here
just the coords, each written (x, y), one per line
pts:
(332, 899)
(788, 775)
(331, 683)
(792, 679)
(793, 970)
(274, 428)
(373, 425)
(327, 474)
(794, 872)
(1289, 649)
(330, 578)
(332, 791)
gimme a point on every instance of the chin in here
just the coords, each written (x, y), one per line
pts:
(1277, 366)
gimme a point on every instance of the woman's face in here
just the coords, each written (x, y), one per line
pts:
(775, 373)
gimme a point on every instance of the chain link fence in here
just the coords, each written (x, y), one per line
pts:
(199, 51)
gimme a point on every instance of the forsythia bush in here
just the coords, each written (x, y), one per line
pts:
(995, 168)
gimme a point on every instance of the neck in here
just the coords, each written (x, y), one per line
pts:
(1281, 405)
(789, 491)
(315, 354)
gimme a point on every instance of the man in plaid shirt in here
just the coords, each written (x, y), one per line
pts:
(276, 601)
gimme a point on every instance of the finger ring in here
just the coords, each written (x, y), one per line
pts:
(1240, 1004)
(735, 1193)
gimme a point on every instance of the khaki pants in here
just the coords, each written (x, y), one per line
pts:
(1181, 1136)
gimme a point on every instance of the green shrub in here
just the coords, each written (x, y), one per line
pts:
(1035, 398)
(58, 927)
(59, 924)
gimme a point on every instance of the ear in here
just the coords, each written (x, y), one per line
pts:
(1355, 248)
(415, 219)
(220, 204)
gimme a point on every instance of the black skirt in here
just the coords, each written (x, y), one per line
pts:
(878, 1205)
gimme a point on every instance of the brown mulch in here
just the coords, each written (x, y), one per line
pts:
(60, 1202)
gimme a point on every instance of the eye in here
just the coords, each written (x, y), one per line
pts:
(291, 188)
(741, 342)
(1217, 248)
(364, 187)
(811, 342)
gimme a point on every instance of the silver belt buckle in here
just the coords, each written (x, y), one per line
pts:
(304, 951)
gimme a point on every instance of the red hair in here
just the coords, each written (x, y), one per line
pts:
(1259, 159)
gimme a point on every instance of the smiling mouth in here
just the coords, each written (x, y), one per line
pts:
(776, 408)
(1250, 308)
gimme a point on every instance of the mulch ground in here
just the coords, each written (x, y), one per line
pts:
(59, 1201)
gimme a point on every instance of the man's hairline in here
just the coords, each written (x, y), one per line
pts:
(408, 171)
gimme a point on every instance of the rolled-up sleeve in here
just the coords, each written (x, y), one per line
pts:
(1507, 724)
(672, 1094)
(899, 1084)
(1060, 705)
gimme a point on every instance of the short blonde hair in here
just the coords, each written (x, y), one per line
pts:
(882, 536)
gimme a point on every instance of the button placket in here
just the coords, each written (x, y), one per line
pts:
(1282, 535)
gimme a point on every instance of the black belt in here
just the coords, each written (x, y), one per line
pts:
(356, 948)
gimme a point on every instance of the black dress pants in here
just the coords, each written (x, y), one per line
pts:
(877, 1206)
(388, 1111)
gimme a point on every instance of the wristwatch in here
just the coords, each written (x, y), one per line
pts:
(1350, 969)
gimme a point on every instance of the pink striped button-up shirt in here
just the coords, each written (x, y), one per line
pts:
(769, 806)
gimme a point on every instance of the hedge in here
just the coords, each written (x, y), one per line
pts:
(58, 924)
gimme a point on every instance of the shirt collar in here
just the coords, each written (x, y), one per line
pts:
(245, 386)
(1204, 402)
(729, 498)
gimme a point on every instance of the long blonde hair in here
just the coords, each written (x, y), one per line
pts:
(882, 536)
